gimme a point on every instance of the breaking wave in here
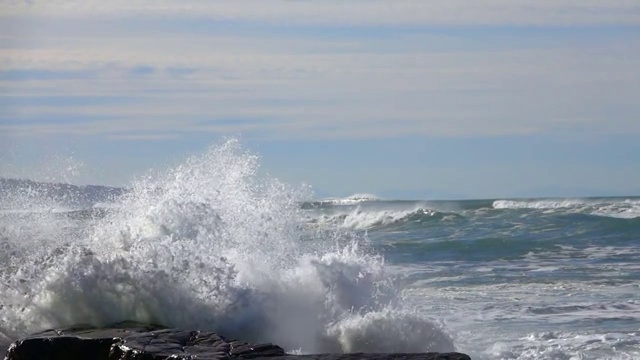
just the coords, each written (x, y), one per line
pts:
(608, 207)
(209, 245)
(366, 218)
(349, 200)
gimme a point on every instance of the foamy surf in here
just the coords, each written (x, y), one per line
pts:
(608, 207)
(350, 200)
(360, 218)
(210, 245)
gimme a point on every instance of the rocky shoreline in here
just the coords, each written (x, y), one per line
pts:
(136, 341)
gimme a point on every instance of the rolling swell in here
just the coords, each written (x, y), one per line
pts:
(387, 219)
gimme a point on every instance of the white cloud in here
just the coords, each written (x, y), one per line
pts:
(355, 12)
(318, 87)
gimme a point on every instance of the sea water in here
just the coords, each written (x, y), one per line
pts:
(211, 244)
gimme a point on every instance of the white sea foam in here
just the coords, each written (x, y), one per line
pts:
(560, 320)
(539, 204)
(627, 209)
(208, 245)
(353, 199)
(617, 208)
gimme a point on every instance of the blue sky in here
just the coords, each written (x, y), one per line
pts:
(411, 99)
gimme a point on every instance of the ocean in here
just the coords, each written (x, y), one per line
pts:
(214, 244)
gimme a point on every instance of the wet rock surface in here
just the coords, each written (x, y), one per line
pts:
(135, 341)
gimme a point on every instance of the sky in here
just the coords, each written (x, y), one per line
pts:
(404, 99)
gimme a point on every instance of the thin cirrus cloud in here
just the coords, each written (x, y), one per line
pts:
(158, 70)
(415, 12)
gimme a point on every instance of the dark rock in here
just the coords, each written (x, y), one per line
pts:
(71, 342)
(366, 356)
(135, 341)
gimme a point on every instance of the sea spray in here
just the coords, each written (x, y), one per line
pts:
(210, 245)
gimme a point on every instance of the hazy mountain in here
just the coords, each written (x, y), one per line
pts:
(63, 194)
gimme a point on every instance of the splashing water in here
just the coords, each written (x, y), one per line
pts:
(209, 245)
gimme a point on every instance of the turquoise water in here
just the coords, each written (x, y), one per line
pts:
(523, 279)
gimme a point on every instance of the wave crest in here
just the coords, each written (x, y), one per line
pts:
(361, 218)
(615, 208)
(350, 200)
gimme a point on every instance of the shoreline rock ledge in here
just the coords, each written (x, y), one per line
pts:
(136, 341)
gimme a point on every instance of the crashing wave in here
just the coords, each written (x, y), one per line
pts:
(367, 218)
(616, 208)
(208, 244)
